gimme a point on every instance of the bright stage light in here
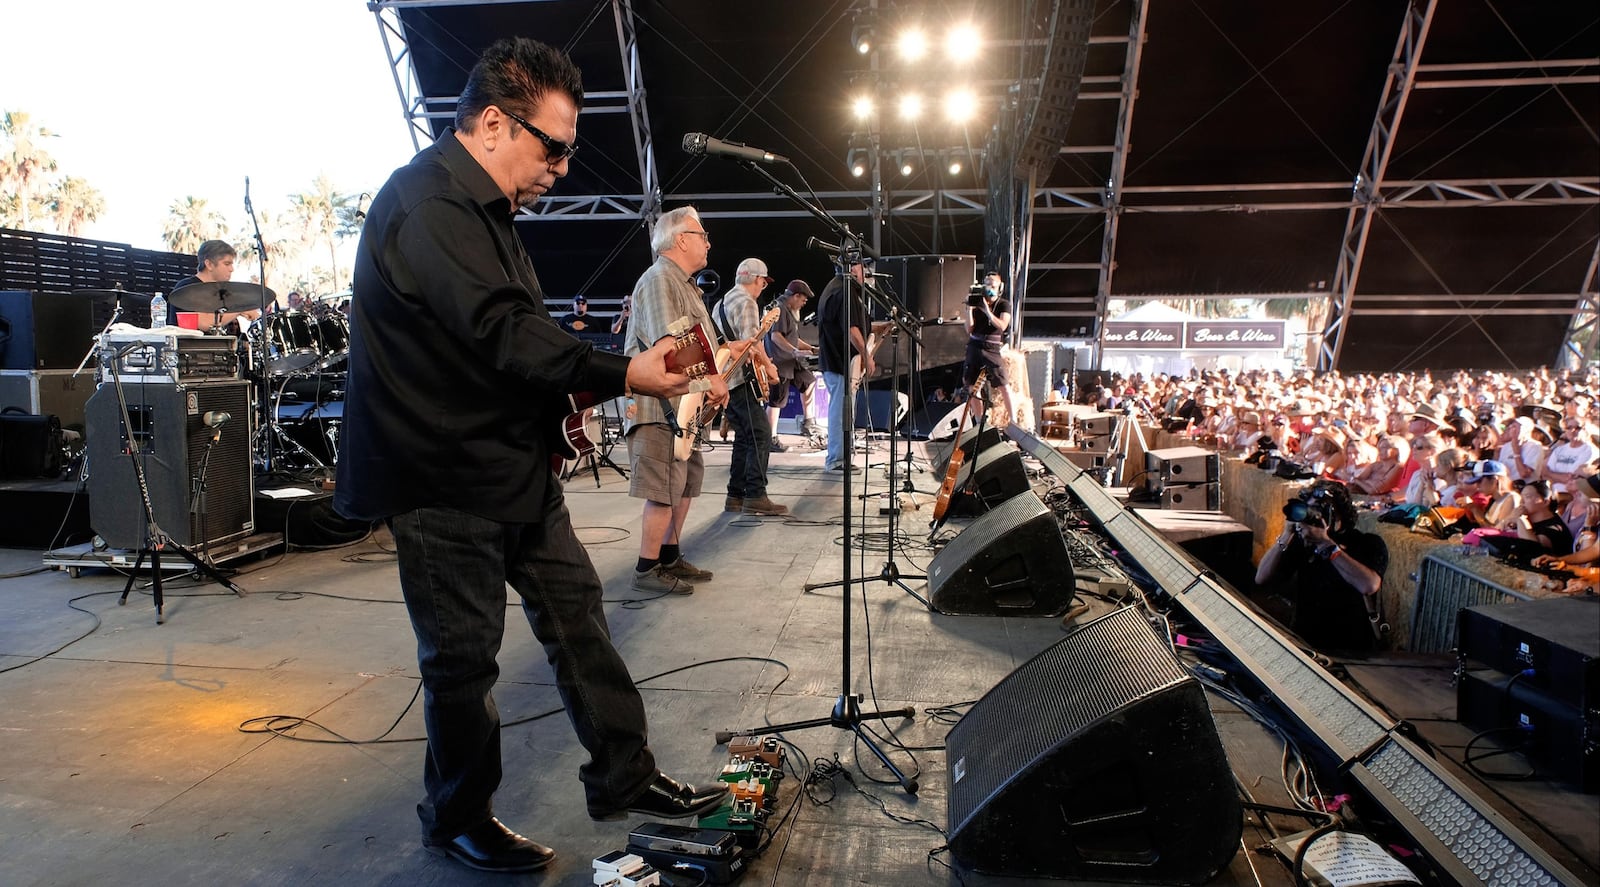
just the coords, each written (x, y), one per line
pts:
(863, 107)
(862, 37)
(913, 44)
(960, 105)
(955, 166)
(856, 160)
(962, 43)
(910, 106)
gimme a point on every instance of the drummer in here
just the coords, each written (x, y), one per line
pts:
(213, 264)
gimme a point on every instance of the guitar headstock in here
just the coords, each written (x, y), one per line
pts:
(691, 349)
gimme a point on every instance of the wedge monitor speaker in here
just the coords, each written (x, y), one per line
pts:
(1012, 561)
(1097, 760)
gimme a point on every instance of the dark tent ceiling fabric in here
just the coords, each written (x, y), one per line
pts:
(1259, 95)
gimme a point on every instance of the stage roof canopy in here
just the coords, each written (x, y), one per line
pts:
(1436, 169)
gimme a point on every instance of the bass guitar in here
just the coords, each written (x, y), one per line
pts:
(692, 404)
(573, 437)
(941, 505)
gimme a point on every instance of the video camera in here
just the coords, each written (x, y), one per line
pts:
(1313, 507)
(975, 295)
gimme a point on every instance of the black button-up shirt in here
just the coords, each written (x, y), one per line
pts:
(457, 370)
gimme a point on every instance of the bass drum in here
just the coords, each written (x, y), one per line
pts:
(333, 339)
(289, 341)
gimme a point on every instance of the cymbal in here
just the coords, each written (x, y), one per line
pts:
(115, 294)
(224, 295)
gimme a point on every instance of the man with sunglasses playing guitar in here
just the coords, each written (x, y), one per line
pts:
(456, 369)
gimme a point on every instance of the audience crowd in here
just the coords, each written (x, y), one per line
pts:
(1514, 452)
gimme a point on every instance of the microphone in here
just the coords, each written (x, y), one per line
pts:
(361, 214)
(700, 144)
(825, 246)
(879, 274)
(247, 194)
(214, 420)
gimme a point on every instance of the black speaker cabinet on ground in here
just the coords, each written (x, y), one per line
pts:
(168, 422)
(1012, 561)
(931, 286)
(1097, 760)
(995, 476)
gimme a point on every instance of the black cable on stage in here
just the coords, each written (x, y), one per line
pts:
(73, 604)
(281, 725)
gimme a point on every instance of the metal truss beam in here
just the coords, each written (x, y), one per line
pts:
(1112, 199)
(638, 113)
(1369, 178)
(413, 101)
(1583, 334)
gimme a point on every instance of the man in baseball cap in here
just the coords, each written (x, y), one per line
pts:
(786, 348)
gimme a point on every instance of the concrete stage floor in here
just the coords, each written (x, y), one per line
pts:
(125, 762)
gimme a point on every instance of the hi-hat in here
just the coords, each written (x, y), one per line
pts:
(223, 295)
(115, 294)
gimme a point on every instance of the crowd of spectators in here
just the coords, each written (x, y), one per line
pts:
(1514, 451)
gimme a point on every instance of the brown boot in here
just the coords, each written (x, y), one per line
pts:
(765, 506)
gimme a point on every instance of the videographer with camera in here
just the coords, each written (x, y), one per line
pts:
(1329, 570)
(988, 318)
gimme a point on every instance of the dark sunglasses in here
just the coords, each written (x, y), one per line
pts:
(555, 150)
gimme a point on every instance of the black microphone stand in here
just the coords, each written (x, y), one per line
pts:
(847, 713)
(269, 410)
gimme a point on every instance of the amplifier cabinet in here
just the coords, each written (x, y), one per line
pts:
(202, 493)
(1180, 465)
(1192, 497)
(47, 393)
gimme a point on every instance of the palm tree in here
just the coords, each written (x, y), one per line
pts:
(25, 170)
(318, 211)
(190, 223)
(76, 203)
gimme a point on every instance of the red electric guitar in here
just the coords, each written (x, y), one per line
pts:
(573, 437)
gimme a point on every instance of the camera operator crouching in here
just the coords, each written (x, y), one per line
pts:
(1329, 570)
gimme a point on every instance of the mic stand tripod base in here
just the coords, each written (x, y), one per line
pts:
(154, 551)
(846, 715)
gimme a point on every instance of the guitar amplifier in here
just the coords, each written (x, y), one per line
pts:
(151, 357)
(1180, 465)
(1192, 497)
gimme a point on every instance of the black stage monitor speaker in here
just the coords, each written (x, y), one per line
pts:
(995, 476)
(972, 442)
(1097, 760)
(1012, 561)
(168, 421)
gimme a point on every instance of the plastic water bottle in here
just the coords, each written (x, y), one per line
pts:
(158, 312)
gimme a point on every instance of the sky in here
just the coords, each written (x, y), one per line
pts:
(152, 102)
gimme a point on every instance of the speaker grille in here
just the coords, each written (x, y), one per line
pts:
(1107, 664)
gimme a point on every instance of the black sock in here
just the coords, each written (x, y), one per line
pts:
(670, 554)
(646, 564)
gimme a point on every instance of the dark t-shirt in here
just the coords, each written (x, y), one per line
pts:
(1329, 613)
(983, 329)
(1556, 530)
(834, 348)
(172, 310)
(574, 322)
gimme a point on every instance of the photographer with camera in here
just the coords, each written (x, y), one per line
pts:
(988, 318)
(1328, 569)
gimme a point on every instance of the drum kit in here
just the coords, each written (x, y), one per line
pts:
(296, 360)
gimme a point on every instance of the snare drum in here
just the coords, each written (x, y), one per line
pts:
(289, 340)
(333, 339)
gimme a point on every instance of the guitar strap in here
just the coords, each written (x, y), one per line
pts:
(666, 402)
(726, 333)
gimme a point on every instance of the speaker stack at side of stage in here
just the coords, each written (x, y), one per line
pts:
(1011, 561)
(168, 422)
(1185, 478)
(1097, 760)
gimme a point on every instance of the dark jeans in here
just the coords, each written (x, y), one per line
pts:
(454, 568)
(752, 443)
